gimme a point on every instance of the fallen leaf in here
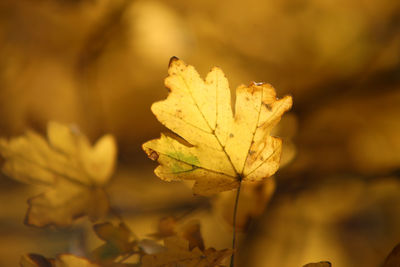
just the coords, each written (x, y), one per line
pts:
(168, 226)
(177, 253)
(218, 149)
(119, 241)
(74, 171)
(191, 232)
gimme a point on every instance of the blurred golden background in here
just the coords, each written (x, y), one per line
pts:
(100, 64)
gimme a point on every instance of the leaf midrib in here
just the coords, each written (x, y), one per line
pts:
(237, 175)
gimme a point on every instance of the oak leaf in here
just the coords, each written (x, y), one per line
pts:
(74, 171)
(218, 148)
(177, 253)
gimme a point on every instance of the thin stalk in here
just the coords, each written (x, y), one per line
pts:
(127, 256)
(234, 226)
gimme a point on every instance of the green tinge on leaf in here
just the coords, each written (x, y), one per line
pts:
(189, 159)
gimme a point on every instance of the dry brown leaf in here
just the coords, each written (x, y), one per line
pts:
(168, 226)
(119, 241)
(74, 170)
(191, 232)
(218, 149)
(177, 253)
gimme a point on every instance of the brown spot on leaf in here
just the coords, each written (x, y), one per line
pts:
(268, 106)
(178, 113)
(153, 155)
(231, 135)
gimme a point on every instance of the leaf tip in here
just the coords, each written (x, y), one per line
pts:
(172, 60)
(289, 100)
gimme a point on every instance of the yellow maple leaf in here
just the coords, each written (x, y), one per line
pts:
(74, 170)
(219, 148)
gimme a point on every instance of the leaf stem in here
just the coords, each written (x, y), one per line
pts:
(234, 225)
(127, 256)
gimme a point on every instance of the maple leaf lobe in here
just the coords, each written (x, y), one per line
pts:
(171, 60)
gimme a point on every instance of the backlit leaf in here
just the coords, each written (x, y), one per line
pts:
(219, 148)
